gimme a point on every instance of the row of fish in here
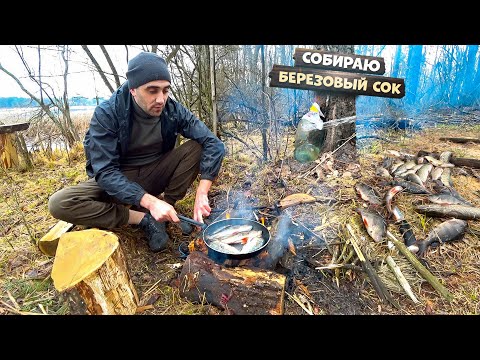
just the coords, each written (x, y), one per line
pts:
(236, 239)
(410, 174)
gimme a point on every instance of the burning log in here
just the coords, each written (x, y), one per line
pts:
(91, 272)
(240, 291)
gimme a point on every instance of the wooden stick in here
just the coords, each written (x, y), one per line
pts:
(377, 283)
(427, 275)
(401, 279)
(460, 140)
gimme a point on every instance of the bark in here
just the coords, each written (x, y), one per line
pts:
(240, 291)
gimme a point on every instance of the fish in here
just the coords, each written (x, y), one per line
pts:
(446, 177)
(381, 171)
(374, 223)
(396, 165)
(449, 230)
(407, 233)
(368, 193)
(410, 186)
(252, 245)
(404, 227)
(446, 199)
(442, 189)
(414, 178)
(223, 248)
(407, 166)
(445, 156)
(436, 173)
(436, 162)
(455, 211)
(241, 238)
(397, 214)
(424, 171)
(230, 231)
(390, 194)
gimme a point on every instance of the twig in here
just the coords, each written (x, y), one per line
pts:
(377, 283)
(427, 275)
(401, 279)
(294, 298)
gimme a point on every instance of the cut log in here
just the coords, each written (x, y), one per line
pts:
(240, 291)
(90, 268)
(460, 140)
(8, 153)
(49, 242)
(6, 129)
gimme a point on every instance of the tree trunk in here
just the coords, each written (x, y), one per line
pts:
(336, 107)
(212, 85)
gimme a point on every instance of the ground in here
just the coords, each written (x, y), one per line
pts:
(245, 181)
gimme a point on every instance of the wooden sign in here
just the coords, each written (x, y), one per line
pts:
(337, 81)
(339, 62)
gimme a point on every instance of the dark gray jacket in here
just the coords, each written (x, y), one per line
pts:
(107, 139)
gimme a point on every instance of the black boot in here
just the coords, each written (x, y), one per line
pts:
(156, 233)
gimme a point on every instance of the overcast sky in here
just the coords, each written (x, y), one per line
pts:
(80, 80)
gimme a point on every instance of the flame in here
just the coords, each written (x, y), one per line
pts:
(227, 216)
(262, 220)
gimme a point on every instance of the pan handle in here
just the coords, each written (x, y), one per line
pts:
(191, 221)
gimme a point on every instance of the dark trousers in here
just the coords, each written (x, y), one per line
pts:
(88, 204)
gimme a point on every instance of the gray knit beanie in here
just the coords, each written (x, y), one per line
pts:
(146, 67)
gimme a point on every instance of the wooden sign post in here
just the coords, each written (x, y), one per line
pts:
(326, 71)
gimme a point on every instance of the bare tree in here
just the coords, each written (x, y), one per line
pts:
(98, 67)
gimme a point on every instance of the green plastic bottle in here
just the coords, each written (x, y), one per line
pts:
(307, 139)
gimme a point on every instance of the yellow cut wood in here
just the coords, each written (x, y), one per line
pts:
(80, 253)
(8, 153)
(296, 199)
(91, 269)
(49, 242)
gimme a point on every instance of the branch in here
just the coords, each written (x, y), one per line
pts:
(110, 63)
(97, 66)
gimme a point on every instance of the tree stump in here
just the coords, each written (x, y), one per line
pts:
(240, 291)
(90, 269)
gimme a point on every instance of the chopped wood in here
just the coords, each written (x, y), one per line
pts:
(460, 140)
(49, 242)
(90, 268)
(427, 275)
(241, 291)
(401, 279)
(8, 152)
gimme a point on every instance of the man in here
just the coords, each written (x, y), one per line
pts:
(131, 158)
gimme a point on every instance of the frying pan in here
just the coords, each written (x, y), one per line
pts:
(208, 230)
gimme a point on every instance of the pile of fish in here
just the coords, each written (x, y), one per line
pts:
(421, 175)
(236, 239)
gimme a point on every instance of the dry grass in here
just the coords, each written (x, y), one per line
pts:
(24, 218)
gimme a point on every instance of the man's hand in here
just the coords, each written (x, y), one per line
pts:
(159, 209)
(201, 207)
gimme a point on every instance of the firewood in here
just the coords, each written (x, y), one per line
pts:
(237, 290)
(49, 242)
(91, 272)
(460, 140)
